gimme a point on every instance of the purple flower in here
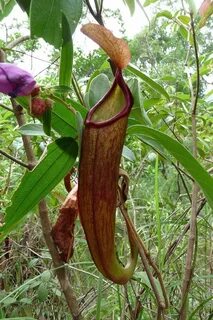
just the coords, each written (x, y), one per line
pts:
(15, 81)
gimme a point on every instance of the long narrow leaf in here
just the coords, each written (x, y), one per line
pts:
(66, 61)
(36, 184)
(63, 120)
(177, 150)
(154, 85)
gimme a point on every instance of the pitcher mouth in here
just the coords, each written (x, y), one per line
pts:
(125, 108)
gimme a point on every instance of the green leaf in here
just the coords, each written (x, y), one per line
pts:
(8, 301)
(79, 125)
(154, 85)
(42, 292)
(32, 129)
(143, 278)
(24, 4)
(19, 318)
(99, 86)
(181, 154)
(46, 120)
(138, 113)
(184, 33)
(46, 18)
(8, 7)
(66, 61)
(131, 5)
(191, 317)
(36, 184)
(148, 2)
(184, 19)
(128, 153)
(78, 107)
(63, 120)
(164, 13)
(60, 89)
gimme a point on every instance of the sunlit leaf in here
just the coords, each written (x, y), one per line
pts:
(184, 19)
(165, 13)
(148, 2)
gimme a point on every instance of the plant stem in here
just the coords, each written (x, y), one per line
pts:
(98, 14)
(17, 41)
(190, 256)
(6, 108)
(14, 159)
(77, 90)
(99, 298)
(158, 221)
(18, 111)
(58, 264)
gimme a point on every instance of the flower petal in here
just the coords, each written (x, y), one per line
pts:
(15, 81)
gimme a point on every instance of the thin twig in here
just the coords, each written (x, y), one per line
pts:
(144, 11)
(77, 90)
(14, 159)
(98, 14)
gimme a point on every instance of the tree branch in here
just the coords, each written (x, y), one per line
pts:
(17, 41)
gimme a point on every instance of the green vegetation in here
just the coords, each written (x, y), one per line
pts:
(167, 155)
